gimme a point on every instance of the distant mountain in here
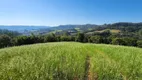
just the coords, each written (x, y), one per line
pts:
(67, 28)
(83, 27)
(46, 29)
(123, 27)
(22, 28)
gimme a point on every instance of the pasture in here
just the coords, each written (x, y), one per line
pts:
(70, 61)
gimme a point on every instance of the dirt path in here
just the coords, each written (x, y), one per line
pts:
(88, 74)
(87, 69)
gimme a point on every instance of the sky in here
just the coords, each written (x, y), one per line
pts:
(62, 12)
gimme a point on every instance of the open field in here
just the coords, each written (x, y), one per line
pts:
(71, 61)
(111, 30)
(101, 31)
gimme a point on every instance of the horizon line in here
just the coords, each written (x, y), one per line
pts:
(62, 24)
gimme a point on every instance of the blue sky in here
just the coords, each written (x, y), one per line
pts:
(61, 12)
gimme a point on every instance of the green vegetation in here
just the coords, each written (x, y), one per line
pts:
(127, 34)
(71, 61)
(5, 41)
(56, 31)
(78, 29)
(9, 33)
(90, 29)
(139, 43)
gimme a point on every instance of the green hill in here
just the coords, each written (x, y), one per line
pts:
(71, 61)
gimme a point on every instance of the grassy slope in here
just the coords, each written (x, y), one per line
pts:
(70, 60)
(111, 30)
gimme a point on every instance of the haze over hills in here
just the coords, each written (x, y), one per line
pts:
(61, 29)
(21, 28)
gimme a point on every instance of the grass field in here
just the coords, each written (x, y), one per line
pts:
(111, 30)
(71, 61)
(101, 31)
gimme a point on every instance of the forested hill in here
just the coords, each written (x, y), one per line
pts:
(9, 33)
(128, 34)
(122, 26)
(21, 28)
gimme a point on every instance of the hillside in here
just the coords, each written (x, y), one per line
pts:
(21, 28)
(45, 29)
(71, 61)
(124, 27)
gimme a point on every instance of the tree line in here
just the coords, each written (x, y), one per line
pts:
(105, 37)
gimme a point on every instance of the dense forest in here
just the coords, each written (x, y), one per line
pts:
(127, 34)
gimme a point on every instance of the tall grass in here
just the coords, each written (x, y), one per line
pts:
(70, 61)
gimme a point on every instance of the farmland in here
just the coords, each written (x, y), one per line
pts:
(71, 61)
(111, 30)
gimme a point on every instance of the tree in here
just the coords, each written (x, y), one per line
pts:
(9, 33)
(106, 33)
(130, 41)
(86, 38)
(36, 39)
(139, 43)
(80, 37)
(118, 41)
(5, 41)
(65, 38)
(50, 38)
(22, 40)
(140, 32)
(96, 39)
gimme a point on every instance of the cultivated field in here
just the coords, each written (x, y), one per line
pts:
(71, 61)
